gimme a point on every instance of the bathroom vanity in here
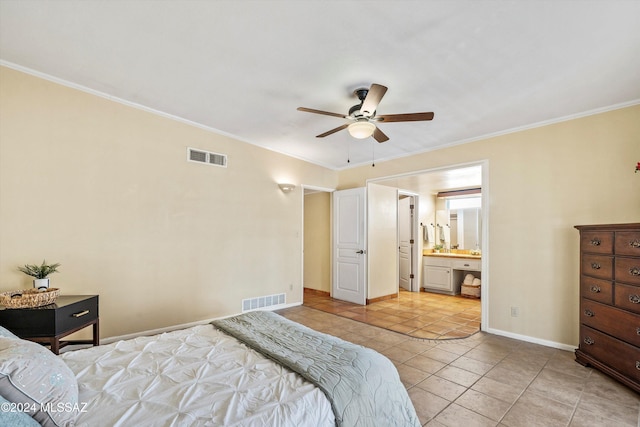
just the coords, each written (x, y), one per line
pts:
(444, 272)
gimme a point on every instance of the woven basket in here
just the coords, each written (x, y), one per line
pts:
(470, 291)
(29, 298)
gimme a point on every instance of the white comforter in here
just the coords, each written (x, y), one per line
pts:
(192, 377)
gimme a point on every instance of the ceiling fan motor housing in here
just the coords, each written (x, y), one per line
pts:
(355, 110)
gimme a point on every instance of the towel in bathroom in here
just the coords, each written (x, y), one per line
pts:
(447, 234)
(468, 279)
(476, 282)
(428, 233)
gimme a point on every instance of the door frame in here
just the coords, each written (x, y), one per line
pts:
(323, 190)
(486, 282)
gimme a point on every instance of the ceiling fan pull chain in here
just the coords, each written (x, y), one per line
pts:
(373, 154)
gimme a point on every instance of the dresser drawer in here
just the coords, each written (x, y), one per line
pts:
(628, 297)
(596, 289)
(599, 266)
(623, 324)
(620, 356)
(628, 243)
(628, 270)
(596, 242)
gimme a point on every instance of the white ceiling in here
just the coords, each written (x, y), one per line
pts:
(438, 180)
(243, 67)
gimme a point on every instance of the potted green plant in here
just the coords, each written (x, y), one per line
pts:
(40, 273)
(437, 248)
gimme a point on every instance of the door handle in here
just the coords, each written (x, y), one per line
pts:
(360, 251)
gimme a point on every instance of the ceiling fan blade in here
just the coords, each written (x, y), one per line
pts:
(370, 103)
(379, 136)
(409, 117)
(326, 113)
(327, 133)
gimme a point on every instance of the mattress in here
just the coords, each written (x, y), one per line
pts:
(193, 377)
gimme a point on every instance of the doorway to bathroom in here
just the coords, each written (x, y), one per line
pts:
(433, 217)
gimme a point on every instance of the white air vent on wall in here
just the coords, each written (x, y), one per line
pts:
(262, 302)
(201, 156)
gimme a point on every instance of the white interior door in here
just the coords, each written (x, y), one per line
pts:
(349, 254)
(404, 242)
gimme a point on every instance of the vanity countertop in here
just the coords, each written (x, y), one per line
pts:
(450, 255)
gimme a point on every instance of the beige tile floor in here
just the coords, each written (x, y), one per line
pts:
(489, 380)
(419, 314)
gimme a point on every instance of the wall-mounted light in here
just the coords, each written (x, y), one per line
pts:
(361, 129)
(467, 192)
(287, 188)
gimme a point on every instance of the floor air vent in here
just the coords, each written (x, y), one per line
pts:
(201, 156)
(262, 302)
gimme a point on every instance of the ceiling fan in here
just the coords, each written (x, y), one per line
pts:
(363, 116)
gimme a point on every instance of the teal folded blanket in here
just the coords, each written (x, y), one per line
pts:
(362, 385)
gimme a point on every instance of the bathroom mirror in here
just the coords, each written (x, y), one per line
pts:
(459, 225)
(466, 227)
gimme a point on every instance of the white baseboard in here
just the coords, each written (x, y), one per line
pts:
(109, 340)
(533, 340)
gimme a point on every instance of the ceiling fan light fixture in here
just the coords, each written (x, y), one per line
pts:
(361, 129)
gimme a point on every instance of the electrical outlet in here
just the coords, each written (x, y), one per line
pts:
(515, 311)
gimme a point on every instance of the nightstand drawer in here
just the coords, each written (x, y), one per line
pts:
(68, 313)
(75, 315)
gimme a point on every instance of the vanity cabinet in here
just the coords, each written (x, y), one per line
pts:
(437, 278)
(444, 274)
(610, 301)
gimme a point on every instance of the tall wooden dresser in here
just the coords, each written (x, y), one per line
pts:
(610, 300)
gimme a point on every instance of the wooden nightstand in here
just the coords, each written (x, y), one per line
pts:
(49, 323)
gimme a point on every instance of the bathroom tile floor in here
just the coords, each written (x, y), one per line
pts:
(417, 314)
(489, 380)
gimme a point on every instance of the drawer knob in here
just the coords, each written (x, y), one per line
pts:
(634, 271)
(635, 243)
(589, 341)
(595, 242)
(82, 313)
(638, 331)
(638, 365)
(595, 289)
(589, 313)
(595, 266)
(634, 299)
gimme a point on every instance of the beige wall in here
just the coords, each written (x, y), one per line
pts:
(317, 241)
(105, 189)
(542, 182)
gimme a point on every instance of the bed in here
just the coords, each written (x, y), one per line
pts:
(255, 369)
